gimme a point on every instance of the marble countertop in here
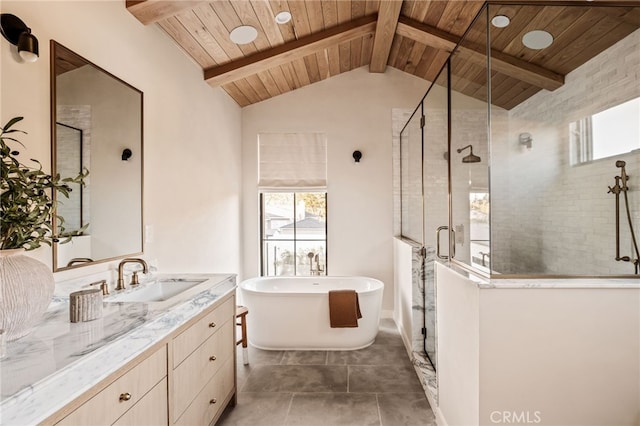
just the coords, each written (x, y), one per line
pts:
(59, 360)
(562, 283)
(547, 282)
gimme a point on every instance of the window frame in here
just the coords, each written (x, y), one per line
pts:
(582, 138)
(294, 240)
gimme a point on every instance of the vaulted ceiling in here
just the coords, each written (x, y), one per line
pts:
(328, 37)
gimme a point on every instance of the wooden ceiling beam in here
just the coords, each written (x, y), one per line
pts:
(388, 14)
(501, 62)
(285, 53)
(426, 34)
(150, 11)
(628, 15)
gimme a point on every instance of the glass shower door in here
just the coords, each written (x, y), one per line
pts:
(436, 202)
(424, 173)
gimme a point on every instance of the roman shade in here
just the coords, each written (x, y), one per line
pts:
(292, 160)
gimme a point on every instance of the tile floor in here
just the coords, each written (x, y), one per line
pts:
(372, 386)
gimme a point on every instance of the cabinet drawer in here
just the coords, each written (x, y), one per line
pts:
(211, 400)
(151, 410)
(194, 373)
(191, 338)
(112, 402)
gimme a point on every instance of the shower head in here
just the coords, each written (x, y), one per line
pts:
(471, 158)
(620, 163)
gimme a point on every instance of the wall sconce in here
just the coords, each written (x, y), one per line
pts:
(17, 33)
(525, 139)
(126, 154)
(357, 155)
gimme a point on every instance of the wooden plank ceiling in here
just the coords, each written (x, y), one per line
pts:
(328, 37)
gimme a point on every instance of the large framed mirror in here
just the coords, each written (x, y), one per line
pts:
(96, 124)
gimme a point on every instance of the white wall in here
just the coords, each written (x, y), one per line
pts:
(403, 290)
(571, 355)
(192, 145)
(354, 110)
(458, 322)
(548, 356)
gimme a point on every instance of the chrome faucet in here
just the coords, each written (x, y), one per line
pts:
(134, 277)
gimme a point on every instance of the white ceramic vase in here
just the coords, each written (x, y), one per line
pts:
(26, 288)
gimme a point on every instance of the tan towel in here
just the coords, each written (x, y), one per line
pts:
(344, 308)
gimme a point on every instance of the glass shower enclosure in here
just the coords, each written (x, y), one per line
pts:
(523, 158)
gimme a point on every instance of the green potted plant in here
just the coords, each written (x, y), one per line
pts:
(26, 212)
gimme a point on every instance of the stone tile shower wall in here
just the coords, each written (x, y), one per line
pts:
(411, 180)
(547, 215)
(399, 118)
(468, 126)
(435, 174)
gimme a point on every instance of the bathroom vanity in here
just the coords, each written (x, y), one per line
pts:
(169, 362)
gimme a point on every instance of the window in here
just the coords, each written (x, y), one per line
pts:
(479, 234)
(294, 233)
(293, 203)
(611, 132)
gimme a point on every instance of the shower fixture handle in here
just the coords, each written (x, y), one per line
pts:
(618, 188)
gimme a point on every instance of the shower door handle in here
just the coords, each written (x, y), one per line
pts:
(453, 248)
(441, 228)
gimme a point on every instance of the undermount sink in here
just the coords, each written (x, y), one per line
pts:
(156, 291)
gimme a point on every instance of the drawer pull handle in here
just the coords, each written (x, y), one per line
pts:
(213, 401)
(212, 324)
(212, 358)
(125, 396)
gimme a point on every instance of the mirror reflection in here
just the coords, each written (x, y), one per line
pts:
(97, 126)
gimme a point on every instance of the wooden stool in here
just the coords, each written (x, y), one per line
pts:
(241, 313)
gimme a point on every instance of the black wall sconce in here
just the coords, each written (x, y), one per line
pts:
(17, 33)
(126, 154)
(357, 155)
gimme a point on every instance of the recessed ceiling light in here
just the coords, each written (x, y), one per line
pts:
(500, 21)
(283, 17)
(243, 34)
(537, 39)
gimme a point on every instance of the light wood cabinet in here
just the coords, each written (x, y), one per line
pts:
(187, 341)
(126, 392)
(152, 410)
(212, 399)
(188, 380)
(204, 379)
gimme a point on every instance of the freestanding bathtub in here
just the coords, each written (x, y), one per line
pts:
(293, 312)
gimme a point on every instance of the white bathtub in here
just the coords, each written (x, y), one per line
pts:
(293, 312)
